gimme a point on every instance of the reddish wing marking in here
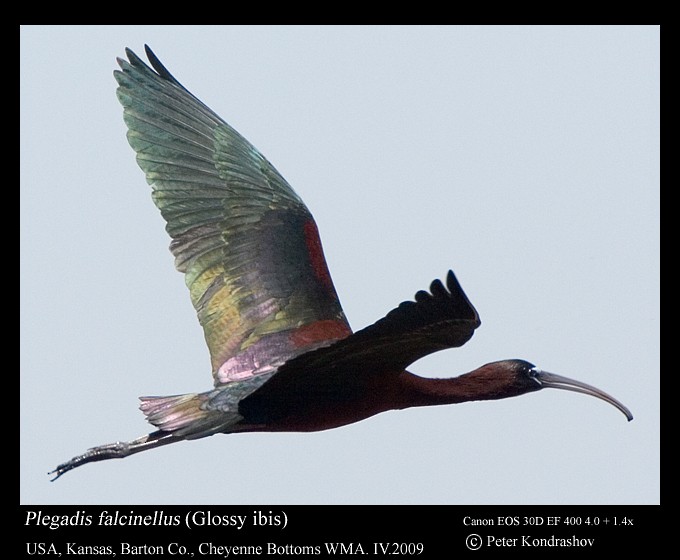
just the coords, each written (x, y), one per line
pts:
(329, 329)
(316, 256)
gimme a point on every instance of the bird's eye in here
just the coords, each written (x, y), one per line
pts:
(533, 372)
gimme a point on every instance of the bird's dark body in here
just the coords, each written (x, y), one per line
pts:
(319, 405)
(315, 406)
(283, 355)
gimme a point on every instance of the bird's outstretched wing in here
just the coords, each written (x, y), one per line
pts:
(439, 319)
(246, 242)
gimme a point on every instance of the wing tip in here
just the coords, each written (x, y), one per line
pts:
(157, 69)
(456, 295)
(158, 66)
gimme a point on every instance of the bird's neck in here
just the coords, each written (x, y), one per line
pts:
(477, 385)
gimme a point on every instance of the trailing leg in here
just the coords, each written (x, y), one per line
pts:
(117, 450)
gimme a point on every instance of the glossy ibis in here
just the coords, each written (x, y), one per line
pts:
(283, 355)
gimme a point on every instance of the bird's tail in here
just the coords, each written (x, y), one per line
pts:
(188, 416)
(172, 413)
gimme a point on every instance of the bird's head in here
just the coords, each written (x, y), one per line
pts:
(517, 377)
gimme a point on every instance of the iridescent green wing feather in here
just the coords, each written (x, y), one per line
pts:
(246, 242)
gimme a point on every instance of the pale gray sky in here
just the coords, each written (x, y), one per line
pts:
(525, 158)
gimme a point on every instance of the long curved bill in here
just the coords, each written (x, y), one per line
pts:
(559, 382)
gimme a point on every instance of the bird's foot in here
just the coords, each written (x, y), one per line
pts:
(115, 450)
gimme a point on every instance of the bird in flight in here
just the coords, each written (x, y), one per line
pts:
(283, 355)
